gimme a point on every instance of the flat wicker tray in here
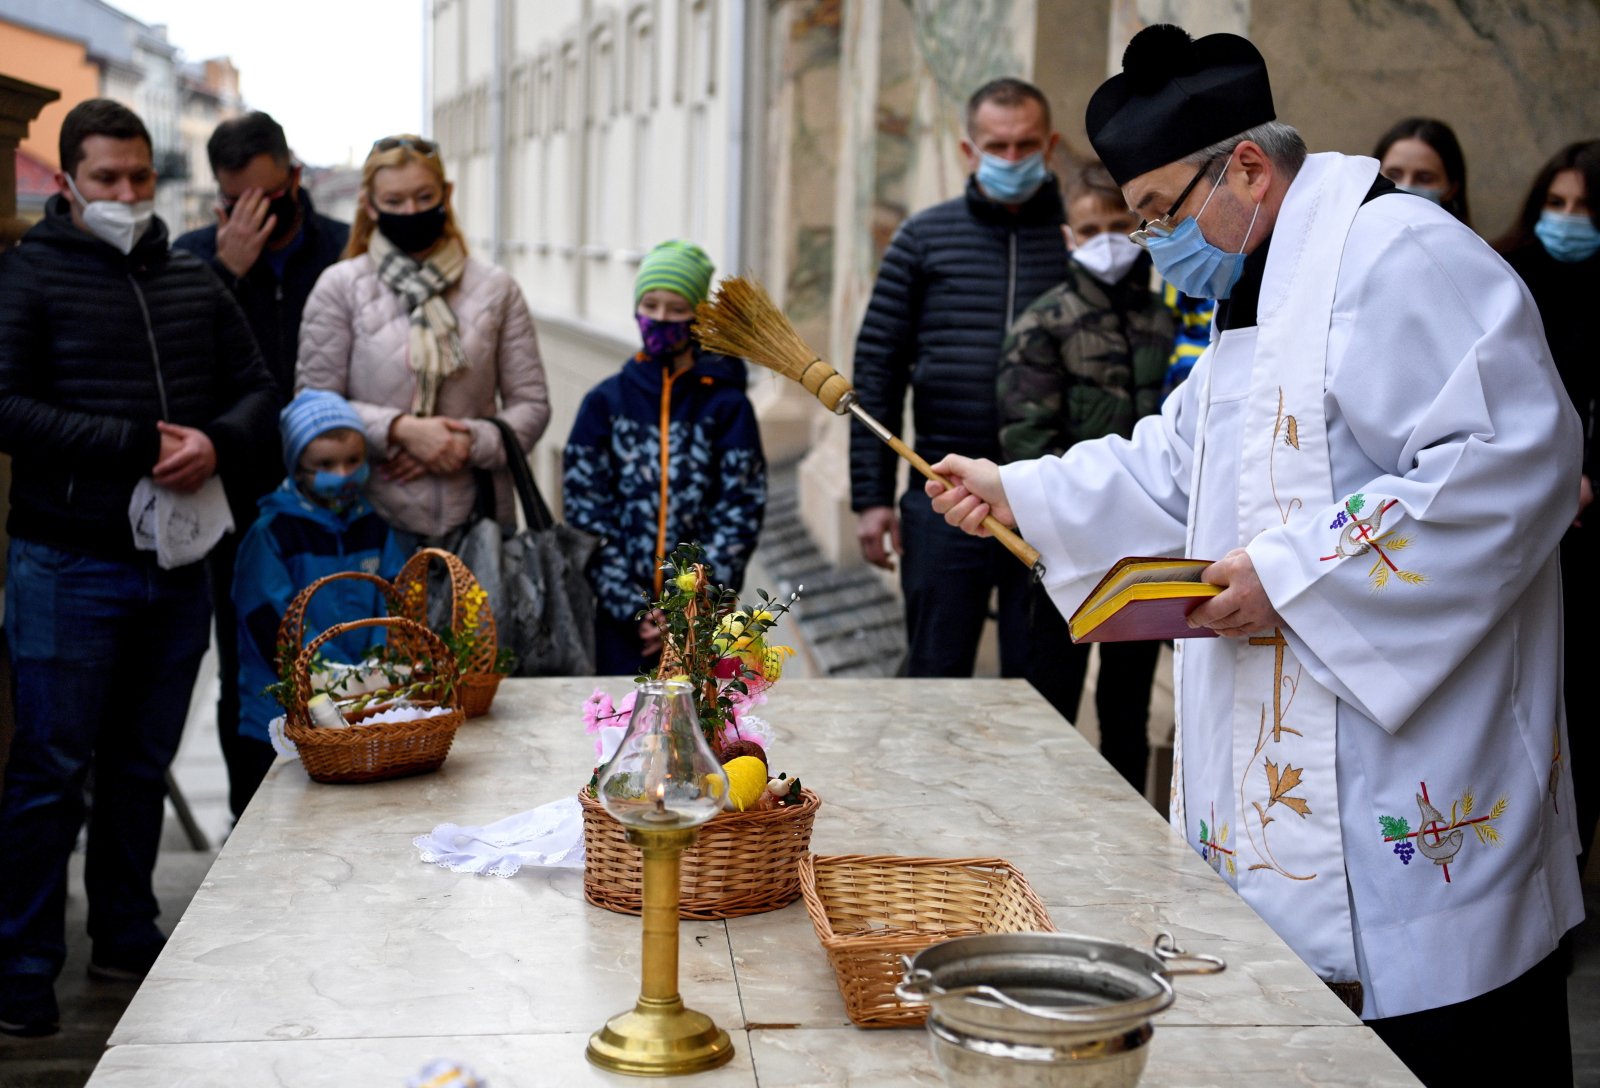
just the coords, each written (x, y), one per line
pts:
(741, 862)
(869, 910)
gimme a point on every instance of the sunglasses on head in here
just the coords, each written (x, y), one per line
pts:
(416, 143)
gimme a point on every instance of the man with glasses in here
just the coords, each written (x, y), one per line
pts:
(268, 247)
(1377, 451)
(953, 280)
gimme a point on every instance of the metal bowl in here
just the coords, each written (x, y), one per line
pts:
(1044, 1010)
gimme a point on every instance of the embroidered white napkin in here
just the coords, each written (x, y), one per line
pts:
(179, 528)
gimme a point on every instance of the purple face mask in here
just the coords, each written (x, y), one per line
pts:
(663, 339)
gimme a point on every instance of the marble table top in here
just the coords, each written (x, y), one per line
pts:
(321, 950)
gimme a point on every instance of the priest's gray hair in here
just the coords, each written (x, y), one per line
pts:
(1282, 143)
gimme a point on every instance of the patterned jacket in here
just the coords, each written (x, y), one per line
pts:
(713, 490)
(1084, 360)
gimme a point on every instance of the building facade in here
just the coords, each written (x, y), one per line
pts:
(791, 137)
(87, 48)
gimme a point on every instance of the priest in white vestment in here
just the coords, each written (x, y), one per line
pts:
(1377, 450)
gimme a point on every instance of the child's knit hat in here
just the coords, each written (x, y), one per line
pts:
(675, 266)
(312, 414)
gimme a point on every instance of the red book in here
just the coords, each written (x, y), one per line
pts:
(1144, 598)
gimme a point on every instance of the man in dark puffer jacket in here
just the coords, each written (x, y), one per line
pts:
(952, 282)
(117, 361)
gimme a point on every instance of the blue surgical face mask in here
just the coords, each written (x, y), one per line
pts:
(1011, 182)
(1434, 196)
(337, 491)
(1567, 238)
(1193, 265)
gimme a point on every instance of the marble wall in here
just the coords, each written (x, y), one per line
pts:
(865, 109)
(1516, 80)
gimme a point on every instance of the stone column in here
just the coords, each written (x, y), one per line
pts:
(20, 103)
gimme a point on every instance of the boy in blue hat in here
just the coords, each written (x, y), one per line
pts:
(315, 523)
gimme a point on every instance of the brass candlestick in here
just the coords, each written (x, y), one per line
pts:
(659, 1036)
(657, 786)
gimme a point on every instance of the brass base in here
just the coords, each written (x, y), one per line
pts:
(659, 1038)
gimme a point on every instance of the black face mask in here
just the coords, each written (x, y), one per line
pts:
(415, 232)
(286, 209)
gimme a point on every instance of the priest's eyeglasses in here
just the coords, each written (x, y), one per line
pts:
(1160, 228)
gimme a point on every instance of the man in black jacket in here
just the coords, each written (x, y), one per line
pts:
(118, 361)
(953, 280)
(269, 246)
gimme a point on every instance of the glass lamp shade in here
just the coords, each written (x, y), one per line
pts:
(663, 774)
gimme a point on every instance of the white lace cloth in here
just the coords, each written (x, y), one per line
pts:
(550, 836)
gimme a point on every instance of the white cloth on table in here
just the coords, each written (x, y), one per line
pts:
(550, 836)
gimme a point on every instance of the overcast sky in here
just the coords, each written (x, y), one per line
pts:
(337, 74)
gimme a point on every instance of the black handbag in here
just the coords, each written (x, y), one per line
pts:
(543, 606)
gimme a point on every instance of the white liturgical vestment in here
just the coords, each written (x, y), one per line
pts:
(1383, 777)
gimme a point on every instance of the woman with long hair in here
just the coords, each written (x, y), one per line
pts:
(1422, 156)
(1555, 247)
(426, 343)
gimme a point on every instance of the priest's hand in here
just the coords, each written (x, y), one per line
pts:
(975, 492)
(1242, 608)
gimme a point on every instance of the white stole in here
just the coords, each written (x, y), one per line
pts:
(1291, 859)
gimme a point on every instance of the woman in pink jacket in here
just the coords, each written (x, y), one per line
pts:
(425, 343)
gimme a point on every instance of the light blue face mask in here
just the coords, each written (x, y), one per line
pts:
(1567, 238)
(1011, 182)
(337, 491)
(1193, 265)
(1434, 196)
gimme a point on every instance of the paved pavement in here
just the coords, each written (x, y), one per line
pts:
(848, 624)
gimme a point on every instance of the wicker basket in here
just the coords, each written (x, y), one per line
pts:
(477, 692)
(869, 910)
(412, 586)
(741, 862)
(371, 753)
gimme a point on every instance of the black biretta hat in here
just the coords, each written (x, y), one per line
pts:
(1174, 96)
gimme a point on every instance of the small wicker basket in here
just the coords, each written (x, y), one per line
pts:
(741, 862)
(411, 585)
(478, 691)
(382, 750)
(869, 910)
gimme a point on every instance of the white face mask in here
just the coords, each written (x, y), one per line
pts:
(113, 222)
(1107, 257)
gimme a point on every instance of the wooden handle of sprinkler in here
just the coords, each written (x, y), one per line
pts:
(1005, 535)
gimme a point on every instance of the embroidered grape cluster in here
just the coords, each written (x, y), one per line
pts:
(1404, 850)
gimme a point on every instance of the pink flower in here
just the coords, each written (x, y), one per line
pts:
(598, 710)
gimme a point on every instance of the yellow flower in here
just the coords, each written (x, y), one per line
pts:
(686, 581)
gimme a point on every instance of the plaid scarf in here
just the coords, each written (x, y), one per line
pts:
(435, 347)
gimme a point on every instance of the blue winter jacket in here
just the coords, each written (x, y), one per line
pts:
(292, 544)
(715, 490)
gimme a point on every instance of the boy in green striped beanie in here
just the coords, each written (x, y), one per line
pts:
(665, 451)
(674, 278)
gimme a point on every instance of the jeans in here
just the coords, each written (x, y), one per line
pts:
(104, 655)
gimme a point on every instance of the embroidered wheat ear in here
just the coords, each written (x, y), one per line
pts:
(740, 319)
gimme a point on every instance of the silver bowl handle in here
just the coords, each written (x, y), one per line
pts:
(918, 986)
(1167, 951)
